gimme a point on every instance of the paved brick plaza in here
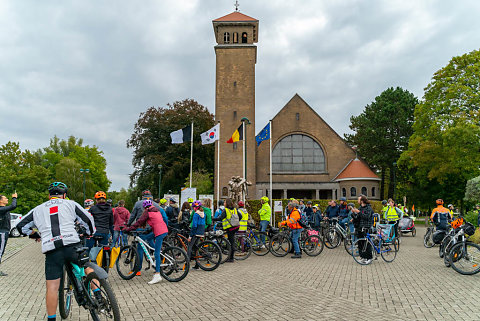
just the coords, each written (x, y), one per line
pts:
(416, 286)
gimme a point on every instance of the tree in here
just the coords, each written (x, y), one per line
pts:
(202, 180)
(443, 151)
(472, 190)
(382, 131)
(68, 172)
(151, 144)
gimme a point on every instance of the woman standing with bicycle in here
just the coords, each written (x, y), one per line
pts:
(158, 221)
(230, 218)
(362, 220)
(198, 228)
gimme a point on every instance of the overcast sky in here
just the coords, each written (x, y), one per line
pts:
(89, 68)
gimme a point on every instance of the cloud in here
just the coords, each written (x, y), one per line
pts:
(89, 69)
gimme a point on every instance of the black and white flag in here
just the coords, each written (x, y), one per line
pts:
(182, 135)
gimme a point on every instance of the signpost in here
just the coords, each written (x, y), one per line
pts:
(187, 193)
(277, 207)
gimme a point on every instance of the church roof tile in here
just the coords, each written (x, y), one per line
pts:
(234, 17)
(356, 169)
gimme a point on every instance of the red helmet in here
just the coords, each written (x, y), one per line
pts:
(100, 194)
(241, 204)
(439, 201)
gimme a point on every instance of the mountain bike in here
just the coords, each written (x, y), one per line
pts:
(464, 257)
(387, 250)
(174, 265)
(75, 283)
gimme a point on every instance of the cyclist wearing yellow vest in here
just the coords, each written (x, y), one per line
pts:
(226, 218)
(244, 220)
(265, 214)
(391, 213)
(385, 206)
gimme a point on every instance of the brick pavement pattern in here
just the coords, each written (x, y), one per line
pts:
(416, 286)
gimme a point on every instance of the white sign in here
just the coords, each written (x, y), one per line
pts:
(277, 206)
(169, 196)
(188, 193)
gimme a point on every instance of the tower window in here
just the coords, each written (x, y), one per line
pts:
(353, 191)
(235, 145)
(224, 191)
(234, 114)
(235, 37)
(244, 37)
(234, 84)
(297, 116)
(226, 37)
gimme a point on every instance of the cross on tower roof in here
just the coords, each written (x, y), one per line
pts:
(236, 5)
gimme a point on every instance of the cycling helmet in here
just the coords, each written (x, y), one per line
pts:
(439, 201)
(190, 200)
(172, 200)
(241, 204)
(109, 202)
(351, 205)
(315, 206)
(343, 199)
(100, 194)
(196, 204)
(450, 205)
(163, 201)
(264, 199)
(57, 188)
(384, 202)
(88, 202)
(146, 192)
(147, 203)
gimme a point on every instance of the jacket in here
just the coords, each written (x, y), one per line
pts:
(103, 217)
(363, 219)
(441, 216)
(331, 211)
(208, 216)
(172, 212)
(5, 225)
(342, 211)
(198, 224)
(137, 210)
(265, 212)
(292, 220)
(120, 218)
(309, 213)
(392, 213)
(156, 219)
(223, 216)
(55, 220)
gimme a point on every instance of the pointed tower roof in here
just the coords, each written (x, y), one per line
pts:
(235, 17)
(356, 169)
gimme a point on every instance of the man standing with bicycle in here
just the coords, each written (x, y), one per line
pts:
(293, 223)
(55, 221)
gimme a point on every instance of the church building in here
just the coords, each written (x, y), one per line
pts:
(309, 159)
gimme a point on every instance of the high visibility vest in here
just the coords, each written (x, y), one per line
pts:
(243, 221)
(391, 214)
(226, 221)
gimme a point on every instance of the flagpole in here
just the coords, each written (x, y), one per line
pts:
(271, 189)
(218, 167)
(191, 155)
(244, 160)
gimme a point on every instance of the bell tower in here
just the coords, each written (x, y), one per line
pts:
(236, 56)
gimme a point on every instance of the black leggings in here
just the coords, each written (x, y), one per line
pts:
(365, 252)
(231, 239)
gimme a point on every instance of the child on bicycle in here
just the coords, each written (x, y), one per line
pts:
(158, 221)
(198, 228)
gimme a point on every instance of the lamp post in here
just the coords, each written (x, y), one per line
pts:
(394, 183)
(246, 122)
(84, 171)
(159, 181)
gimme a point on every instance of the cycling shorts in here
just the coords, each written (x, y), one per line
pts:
(56, 259)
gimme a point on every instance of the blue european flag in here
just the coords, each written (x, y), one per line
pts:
(263, 135)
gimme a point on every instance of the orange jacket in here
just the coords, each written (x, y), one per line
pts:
(292, 221)
(440, 209)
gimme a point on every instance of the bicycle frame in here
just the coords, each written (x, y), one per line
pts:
(377, 249)
(147, 250)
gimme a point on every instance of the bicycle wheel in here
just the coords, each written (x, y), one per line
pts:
(465, 258)
(242, 248)
(105, 304)
(65, 295)
(208, 255)
(348, 243)
(443, 245)
(225, 247)
(356, 251)
(332, 239)
(427, 239)
(260, 248)
(175, 264)
(127, 262)
(280, 245)
(388, 251)
(313, 245)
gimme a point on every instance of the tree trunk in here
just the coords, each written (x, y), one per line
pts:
(382, 184)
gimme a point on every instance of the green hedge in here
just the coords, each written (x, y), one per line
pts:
(253, 206)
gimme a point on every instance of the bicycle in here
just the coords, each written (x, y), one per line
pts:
(74, 282)
(464, 257)
(280, 243)
(378, 246)
(174, 266)
(331, 236)
(207, 254)
(428, 237)
(219, 238)
(259, 248)
(242, 246)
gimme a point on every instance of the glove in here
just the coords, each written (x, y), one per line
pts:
(34, 236)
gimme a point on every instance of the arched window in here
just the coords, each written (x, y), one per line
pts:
(298, 154)
(364, 191)
(226, 37)
(224, 191)
(344, 192)
(353, 191)
(244, 37)
(373, 191)
(235, 37)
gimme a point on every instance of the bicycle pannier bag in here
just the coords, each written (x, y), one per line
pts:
(438, 236)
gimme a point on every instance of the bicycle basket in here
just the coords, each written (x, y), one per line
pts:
(386, 231)
(457, 223)
(469, 228)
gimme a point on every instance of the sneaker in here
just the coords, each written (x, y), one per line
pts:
(156, 278)
(3, 273)
(367, 261)
(297, 256)
(263, 246)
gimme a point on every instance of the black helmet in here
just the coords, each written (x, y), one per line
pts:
(384, 202)
(57, 188)
(109, 202)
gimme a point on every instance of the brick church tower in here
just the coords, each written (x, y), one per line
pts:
(236, 56)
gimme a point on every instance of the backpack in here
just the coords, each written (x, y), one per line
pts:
(303, 221)
(234, 219)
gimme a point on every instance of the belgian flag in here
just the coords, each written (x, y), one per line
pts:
(237, 135)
